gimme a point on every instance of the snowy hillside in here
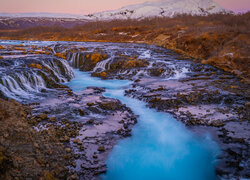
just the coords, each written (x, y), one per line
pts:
(166, 8)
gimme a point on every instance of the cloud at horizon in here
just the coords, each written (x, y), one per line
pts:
(86, 6)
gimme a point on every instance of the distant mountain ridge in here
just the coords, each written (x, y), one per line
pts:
(166, 8)
(43, 14)
(7, 23)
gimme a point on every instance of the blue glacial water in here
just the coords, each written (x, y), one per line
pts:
(160, 148)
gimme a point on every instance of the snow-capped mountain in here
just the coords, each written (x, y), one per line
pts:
(165, 8)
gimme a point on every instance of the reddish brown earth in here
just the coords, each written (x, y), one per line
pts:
(25, 152)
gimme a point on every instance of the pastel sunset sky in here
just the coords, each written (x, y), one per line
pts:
(91, 6)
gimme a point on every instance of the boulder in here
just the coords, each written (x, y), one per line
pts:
(110, 105)
(88, 61)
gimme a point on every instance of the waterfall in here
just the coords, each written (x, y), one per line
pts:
(61, 69)
(103, 65)
(21, 85)
(22, 82)
(75, 60)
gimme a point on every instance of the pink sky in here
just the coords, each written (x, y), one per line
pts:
(90, 6)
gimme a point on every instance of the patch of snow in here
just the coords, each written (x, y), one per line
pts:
(135, 36)
(229, 54)
(123, 33)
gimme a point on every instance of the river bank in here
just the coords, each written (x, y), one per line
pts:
(204, 98)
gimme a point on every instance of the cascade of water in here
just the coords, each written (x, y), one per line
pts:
(178, 74)
(21, 85)
(145, 54)
(74, 60)
(103, 65)
(67, 69)
(61, 69)
(24, 84)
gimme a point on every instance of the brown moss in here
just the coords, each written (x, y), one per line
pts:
(60, 55)
(133, 63)
(82, 48)
(1, 57)
(43, 52)
(19, 49)
(89, 60)
(2, 157)
(20, 45)
(1, 47)
(101, 74)
(96, 57)
(49, 176)
(37, 66)
(47, 68)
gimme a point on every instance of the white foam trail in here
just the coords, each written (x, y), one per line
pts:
(178, 74)
(103, 65)
(145, 54)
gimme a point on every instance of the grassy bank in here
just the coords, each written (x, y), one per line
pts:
(220, 40)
